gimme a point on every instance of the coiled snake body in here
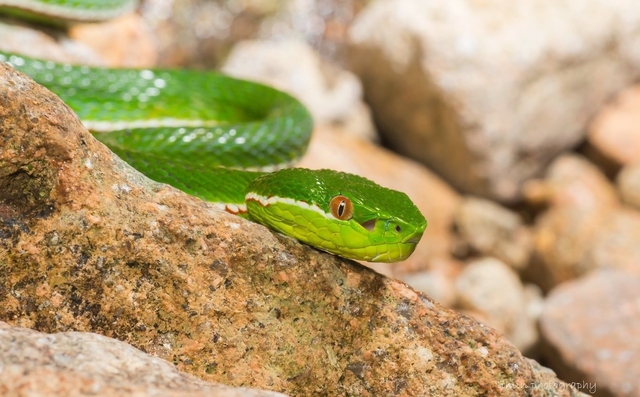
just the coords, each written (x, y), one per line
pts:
(223, 139)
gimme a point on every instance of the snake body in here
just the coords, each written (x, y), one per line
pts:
(224, 140)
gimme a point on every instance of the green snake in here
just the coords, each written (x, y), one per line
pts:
(224, 140)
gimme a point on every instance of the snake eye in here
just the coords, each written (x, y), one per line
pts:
(341, 208)
(398, 229)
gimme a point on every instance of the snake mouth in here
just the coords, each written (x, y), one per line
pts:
(412, 238)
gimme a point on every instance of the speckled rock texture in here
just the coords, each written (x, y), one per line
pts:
(88, 244)
(479, 92)
(86, 364)
(590, 328)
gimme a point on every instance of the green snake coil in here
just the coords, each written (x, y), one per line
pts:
(223, 140)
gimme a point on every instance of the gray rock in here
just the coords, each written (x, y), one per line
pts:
(590, 331)
(486, 93)
(85, 364)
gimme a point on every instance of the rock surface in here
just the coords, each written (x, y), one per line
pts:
(482, 95)
(88, 244)
(85, 364)
(590, 328)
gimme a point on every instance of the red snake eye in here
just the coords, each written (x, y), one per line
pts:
(341, 208)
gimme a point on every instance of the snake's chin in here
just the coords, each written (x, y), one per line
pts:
(402, 252)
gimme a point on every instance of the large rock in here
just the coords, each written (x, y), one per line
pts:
(590, 328)
(89, 244)
(487, 93)
(85, 364)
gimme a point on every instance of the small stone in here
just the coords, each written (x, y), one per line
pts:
(628, 184)
(590, 331)
(492, 230)
(581, 200)
(573, 180)
(35, 43)
(482, 95)
(615, 131)
(435, 284)
(492, 288)
(616, 243)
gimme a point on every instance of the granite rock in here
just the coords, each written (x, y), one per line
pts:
(85, 364)
(90, 245)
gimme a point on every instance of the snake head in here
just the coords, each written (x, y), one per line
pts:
(341, 213)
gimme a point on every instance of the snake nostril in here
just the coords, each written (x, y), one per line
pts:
(398, 229)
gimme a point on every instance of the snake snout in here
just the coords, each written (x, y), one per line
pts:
(413, 238)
